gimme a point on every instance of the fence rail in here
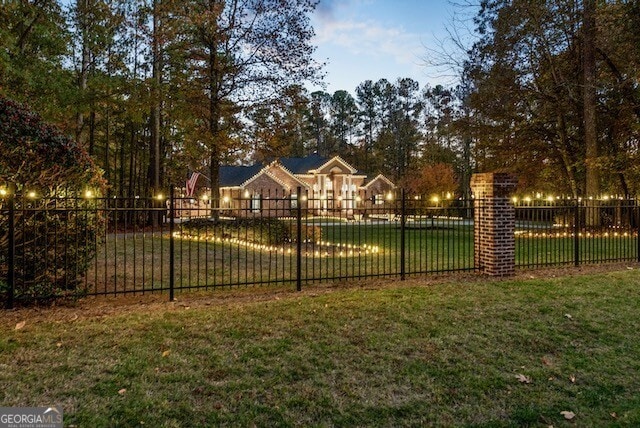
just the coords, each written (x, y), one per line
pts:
(63, 246)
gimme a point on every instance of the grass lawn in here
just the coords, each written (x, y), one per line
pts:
(388, 354)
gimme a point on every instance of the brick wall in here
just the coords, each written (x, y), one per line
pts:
(494, 218)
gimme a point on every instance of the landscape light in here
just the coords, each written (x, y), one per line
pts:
(435, 199)
(550, 198)
(514, 199)
(31, 194)
(3, 192)
(449, 195)
(88, 194)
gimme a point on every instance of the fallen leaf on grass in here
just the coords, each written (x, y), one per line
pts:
(523, 379)
(166, 353)
(614, 415)
(572, 378)
(568, 316)
(122, 391)
(568, 415)
(21, 325)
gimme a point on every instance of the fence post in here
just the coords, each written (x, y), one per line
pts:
(403, 220)
(172, 244)
(638, 230)
(11, 257)
(576, 234)
(494, 223)
(299, 240)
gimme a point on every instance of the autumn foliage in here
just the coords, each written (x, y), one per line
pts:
(432, 180)
(41, 173)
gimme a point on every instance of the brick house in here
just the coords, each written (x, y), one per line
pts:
(329, 185)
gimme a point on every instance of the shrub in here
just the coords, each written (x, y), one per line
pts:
(263, 231)
(55, 232)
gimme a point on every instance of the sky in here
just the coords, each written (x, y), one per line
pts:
(374, 39)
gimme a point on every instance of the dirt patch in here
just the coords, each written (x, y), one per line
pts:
(101, 307)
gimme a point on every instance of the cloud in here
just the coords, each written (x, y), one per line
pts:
(326, 9)
(369, 38)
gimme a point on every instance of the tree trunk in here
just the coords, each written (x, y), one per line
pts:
(589, 96)
(154, 154)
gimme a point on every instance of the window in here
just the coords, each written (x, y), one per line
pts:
(379, 199)
(256, 203)
(294, 201)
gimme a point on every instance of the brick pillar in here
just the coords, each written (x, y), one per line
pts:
(494, 218)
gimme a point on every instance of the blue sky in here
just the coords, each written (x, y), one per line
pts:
(373, 39)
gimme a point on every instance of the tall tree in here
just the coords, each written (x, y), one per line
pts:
(238, 53)
(368, 116)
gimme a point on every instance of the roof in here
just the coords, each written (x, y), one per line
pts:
(305, 164)
(369, 182)
(231, 176)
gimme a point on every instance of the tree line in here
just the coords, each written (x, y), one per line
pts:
(154, 89)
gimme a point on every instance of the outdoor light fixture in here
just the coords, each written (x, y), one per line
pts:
(225, 199)
(358, 199)
(435, 199)
(304, 198)
(205, 197)
(160, 197)
(389, 196)
(246, 193)
(88, 194)
(449, 195)
(31, 194)
(514, 199)
(550, 198)
(3, 192)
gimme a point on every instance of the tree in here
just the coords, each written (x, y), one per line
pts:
(534, 74)
(33, 45)
(238, 53)
(53, 244)
(368, 115)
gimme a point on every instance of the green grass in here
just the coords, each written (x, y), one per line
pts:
(409, 354)
(137, 261)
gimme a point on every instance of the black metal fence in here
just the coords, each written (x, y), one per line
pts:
(69, 247)
(559, 231)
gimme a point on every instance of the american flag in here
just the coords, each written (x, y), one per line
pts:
(191, 183)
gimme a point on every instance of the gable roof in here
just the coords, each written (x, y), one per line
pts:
(303, 165)
(232, 176)
(376, 178)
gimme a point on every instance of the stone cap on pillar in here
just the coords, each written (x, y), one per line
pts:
(493, 184)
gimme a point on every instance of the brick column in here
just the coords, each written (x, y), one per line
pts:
(494, 218)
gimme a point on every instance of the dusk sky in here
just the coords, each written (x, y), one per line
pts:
(373, 39)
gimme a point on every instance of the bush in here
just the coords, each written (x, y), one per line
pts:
(262, 231)
(55, 232)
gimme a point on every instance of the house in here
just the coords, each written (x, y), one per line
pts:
(327, 185)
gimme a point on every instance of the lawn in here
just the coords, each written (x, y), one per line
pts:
(141, 261)
(469, 352)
